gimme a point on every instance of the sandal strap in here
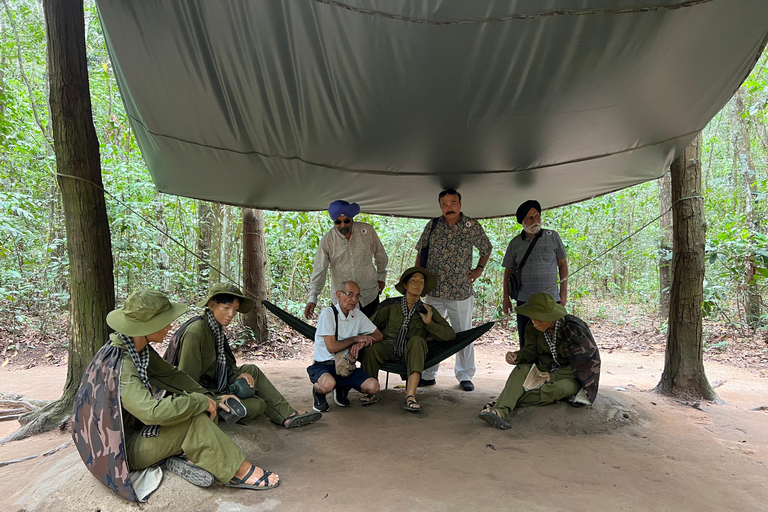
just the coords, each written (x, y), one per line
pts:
(236, 480)
(263, 479)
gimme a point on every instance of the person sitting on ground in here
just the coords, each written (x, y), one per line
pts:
(406, 322)
(565, 356)
(341, 328)
(204, 353)
(118, 425)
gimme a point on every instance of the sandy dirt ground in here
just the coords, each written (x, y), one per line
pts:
(634, 450)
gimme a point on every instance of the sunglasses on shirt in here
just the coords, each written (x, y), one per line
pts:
(345, 221)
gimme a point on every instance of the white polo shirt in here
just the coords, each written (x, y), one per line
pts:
(353, 324)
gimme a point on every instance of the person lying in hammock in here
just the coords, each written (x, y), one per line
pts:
(122, 431)
(203, 352)
(559, 360)
(406, 322)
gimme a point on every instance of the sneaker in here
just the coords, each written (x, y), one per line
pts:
(320, 404)
(195, 475)
(340, 396)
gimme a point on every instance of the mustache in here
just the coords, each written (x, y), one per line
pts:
(449, 212)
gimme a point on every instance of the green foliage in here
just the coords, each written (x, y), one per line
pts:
(33, 257)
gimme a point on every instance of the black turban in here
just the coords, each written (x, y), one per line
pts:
(524, 208)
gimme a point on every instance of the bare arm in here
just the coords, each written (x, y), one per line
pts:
(333, 345)
(562, 267)
(507, 301)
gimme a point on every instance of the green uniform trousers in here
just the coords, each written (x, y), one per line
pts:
(563, 385)
(384, 351)
(199, 438)
(268, 400)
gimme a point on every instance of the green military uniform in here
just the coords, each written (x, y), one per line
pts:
(536, 351)
(388, 318)
(184, 425)
(197, 358)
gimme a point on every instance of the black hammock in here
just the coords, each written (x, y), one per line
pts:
(437, 351)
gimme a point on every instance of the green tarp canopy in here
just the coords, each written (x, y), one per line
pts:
(292, 104)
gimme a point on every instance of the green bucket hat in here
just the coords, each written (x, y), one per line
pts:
(429, 280)
(542, 306)
(246, 304)
(144, 312)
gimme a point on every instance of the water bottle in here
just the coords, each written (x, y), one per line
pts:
(241, 389)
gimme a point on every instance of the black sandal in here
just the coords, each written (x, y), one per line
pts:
(410, 404)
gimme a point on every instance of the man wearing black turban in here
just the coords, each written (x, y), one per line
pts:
(544, 264)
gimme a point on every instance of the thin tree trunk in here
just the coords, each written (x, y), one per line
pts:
(746, 168)
(163, 261)
(226, 243)
(204, 230)
(683, 374)
(216, 239)
(665, 245)
(85, 213)
(254, 271)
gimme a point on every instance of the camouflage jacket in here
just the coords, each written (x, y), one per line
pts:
(112, 403)
(575, 347)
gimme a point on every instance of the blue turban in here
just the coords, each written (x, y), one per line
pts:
(341, 207)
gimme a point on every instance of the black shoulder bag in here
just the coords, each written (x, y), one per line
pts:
(515, 277)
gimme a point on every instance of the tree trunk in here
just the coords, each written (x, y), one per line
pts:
(746, 168)
(163, 261)
(216, 239)
(85, 213)
(204, 229)
(255, 271)
(683, 374)
(665, 245)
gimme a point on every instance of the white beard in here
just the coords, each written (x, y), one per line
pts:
(532, 229)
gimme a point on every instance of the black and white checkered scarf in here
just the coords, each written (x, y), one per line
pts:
(141, 362)
(221, 360)
(552, 343)
(402, 334)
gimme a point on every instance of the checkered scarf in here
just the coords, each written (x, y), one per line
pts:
(221, 360)
(141, 362)
(402, 334)
(552, 343)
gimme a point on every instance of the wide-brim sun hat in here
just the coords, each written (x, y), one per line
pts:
(542, 306)
(429, 280)
(246, 304)
(144, 312)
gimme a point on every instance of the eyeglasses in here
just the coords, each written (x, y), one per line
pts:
(351, 294)
(345, 221)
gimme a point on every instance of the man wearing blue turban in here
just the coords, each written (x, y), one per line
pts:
(354, 252)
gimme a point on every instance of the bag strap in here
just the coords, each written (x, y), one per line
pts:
(530, 248)
(336, 317)
(425, 251)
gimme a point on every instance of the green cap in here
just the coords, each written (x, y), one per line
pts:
(542, 306)
(429, 280)
(246, 304)
(144, 312)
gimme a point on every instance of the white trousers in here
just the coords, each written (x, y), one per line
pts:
(459, 314)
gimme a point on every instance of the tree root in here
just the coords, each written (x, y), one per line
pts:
(55, 415)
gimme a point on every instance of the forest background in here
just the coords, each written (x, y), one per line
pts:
(628, 279)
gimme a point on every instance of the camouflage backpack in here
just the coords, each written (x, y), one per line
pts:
(582, 354)
(97, 426)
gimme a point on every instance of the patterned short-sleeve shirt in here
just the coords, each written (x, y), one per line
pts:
(450, 255)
